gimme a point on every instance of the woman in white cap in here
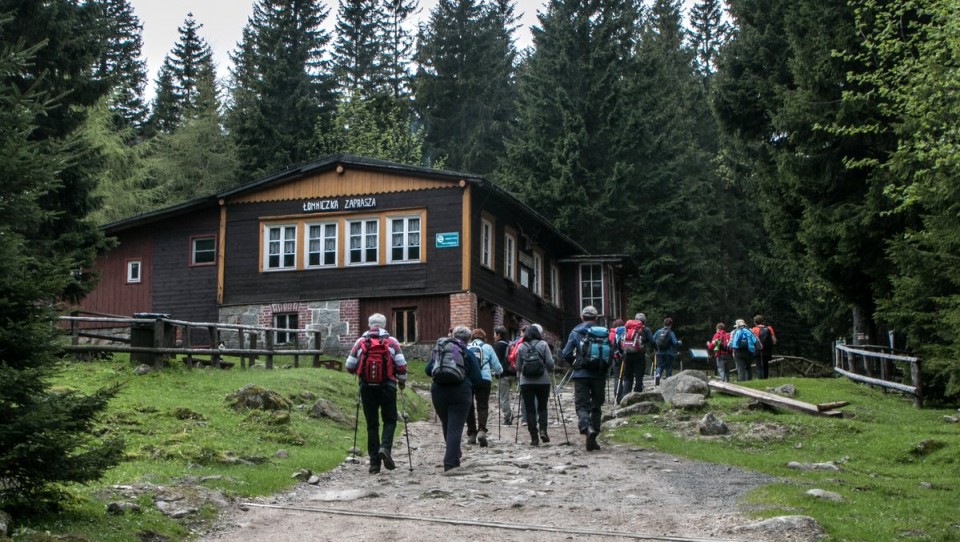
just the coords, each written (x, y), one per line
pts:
(744, 344)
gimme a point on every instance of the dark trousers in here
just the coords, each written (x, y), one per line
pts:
(452, 402)
(743, 360)
(536, 398)
(664, 365)
(763, 364)
(379, 401)
(588, 396)
(631, 379)
(479, 408)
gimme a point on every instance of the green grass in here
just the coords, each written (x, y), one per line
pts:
(899, 466)
(177, 423)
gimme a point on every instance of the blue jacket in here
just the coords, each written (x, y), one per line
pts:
(735, 338)
(672, 343)
(569, 351)
(488, 360)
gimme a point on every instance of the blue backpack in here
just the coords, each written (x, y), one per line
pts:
(594, 352)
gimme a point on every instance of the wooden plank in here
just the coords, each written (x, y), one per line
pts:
(822, 407)
(764, 397)
(872, 354)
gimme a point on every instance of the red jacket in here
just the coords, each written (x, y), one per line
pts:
(724, 338)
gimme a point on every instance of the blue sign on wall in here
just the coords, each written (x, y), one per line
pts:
(448, 239)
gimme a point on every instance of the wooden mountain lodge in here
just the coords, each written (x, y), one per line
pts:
(324, 245)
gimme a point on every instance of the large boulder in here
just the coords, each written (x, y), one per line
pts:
(686, 382)
(253, 396)
(324, 408)
(688, 401)
(645, 407)
(711, 425)
(792, 528)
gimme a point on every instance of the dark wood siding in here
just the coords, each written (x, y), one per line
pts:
(491, 285)
(113, 295)
(244, 283)
(433, 314)
(185, 292)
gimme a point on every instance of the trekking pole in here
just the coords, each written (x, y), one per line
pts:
(563, 421)
(516, 437)
(499, 405)
(406, 428)
(356, 425)
(564, 380)
(620, 379)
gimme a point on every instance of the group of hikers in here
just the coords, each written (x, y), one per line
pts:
(463, 364)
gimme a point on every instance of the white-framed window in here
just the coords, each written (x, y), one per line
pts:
(486, 243)
(555, 285)
(133, 272)
(591, 286)
(510, 256)
(322, 244)
(537, 274)
(286, 320)
(363, 240)
(280, 247)
(404, 239)
(203, 250)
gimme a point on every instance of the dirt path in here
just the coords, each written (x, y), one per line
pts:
(537, 490)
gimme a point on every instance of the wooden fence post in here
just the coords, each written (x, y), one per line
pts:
(253, 346)
(296, 346)
(316, 346)
(158, 342)
(188, 343)
(214, 343)
(75, 333)
(268, 346)
(915, 375)
(242, 335)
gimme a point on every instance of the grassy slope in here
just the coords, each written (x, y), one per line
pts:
(177, 423)
(892, 489)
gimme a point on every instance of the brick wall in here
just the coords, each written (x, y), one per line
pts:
(463, 309)
(350, 314)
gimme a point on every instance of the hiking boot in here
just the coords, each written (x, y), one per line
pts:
(534, 439)
(471, 439)
(482, 439)
(656, 381)
(386, 459)
(592, 441)
(543, 436)
(508, 420)
(374, 468)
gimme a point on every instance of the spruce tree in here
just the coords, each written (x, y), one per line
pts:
(398, 43)
(282, 91)
(186, 80)
(567, 158)
(122, 63)
(358, 51)
(464, 85)
(708, 34)
(45, 243)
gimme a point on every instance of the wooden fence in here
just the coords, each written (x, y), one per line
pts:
(879, 366)
(154, 340)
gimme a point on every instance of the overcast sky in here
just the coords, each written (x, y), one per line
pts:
(223, 22)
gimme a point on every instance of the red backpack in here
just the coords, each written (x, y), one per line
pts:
(512, 354)
(375, 364)
(633, 336)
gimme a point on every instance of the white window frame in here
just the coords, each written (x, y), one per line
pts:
(365, 236)
(322, 239)
(510, 256)
(588, 278)
(486, 243)
(283, 243)
(134, 271)
(555, 285)
(537, 274)
(409, 238)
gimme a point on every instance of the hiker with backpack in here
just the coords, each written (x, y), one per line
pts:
(380, 367)
(507, 378)
(534, 361)
(454, 370)
(634, 340)
(744, 345)
(590, 352)
(666, 343)
(480, 406)
(768, 339)
(720, 352)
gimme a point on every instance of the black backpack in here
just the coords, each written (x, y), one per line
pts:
(766, 338)
(662, 339)
(531, 361)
